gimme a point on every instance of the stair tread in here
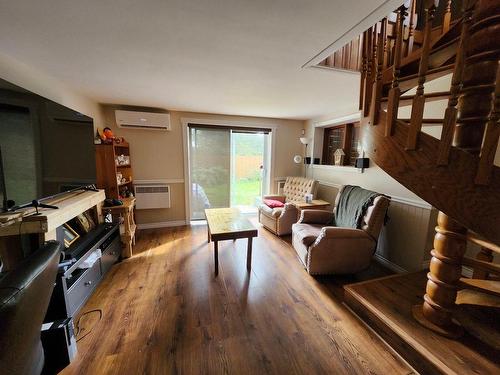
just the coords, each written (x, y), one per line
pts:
(429, 72)
(485, 286)
(478, 313)
(434, 95)
(425, 120)
(445, 45)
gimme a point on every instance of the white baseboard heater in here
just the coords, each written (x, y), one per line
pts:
(151, 195)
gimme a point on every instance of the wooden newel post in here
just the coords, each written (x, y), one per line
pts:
(445, 271)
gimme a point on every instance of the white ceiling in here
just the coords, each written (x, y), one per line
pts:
(240, 57)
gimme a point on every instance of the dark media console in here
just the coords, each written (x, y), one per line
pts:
(74, 285)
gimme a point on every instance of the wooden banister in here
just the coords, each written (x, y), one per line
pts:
(490, 141)
(450, 115)
(417, 110)
(395, 91)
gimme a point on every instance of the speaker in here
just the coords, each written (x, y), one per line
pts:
(362, 163)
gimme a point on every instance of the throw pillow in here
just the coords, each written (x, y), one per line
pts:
(273, 203)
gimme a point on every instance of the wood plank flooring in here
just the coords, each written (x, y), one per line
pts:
(387, 304)
(164, 312)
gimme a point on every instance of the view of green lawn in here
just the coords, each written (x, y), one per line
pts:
(244, 193)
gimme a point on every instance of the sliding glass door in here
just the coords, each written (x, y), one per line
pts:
(228, 168)
(210, 165)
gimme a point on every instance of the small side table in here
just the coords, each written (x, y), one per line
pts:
(316, 204)
(128, 227)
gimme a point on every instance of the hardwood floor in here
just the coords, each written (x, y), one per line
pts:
(164, 311)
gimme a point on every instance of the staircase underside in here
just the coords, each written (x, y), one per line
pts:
(451, 189)
(386, 305)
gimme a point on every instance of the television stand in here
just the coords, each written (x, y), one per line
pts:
(43, 227)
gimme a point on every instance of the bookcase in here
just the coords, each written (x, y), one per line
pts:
(113, 160)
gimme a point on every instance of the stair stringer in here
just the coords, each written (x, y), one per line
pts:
(451, 189)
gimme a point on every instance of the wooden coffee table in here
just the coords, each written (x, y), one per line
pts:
(229, 224)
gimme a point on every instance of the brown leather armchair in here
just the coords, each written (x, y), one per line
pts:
(327, 249)
(24, 297)
(279, 220)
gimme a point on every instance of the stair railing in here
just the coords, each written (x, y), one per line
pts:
(450, 115)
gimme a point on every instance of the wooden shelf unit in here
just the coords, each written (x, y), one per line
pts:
(107, 168)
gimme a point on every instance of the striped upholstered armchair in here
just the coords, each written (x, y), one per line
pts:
(279, 220)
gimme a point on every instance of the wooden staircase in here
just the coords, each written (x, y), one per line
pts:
(456, 173)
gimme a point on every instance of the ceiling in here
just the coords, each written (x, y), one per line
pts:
(240, 57)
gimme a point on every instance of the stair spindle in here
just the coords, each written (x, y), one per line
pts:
(363, 70)
(417, 110)
(447, 17)
(387, 46)
(450, 115)
(395, 91)
(411, 26)
(368, 79)
(377, 87)
(490, 141)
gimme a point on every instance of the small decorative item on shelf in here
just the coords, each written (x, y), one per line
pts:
(90, 219)
(125, 192)
(122, 160)
(84, 223)
(109, 135)
(119, 177)
(339, 156)
(70, 235)
(97, 138)
(119, 140)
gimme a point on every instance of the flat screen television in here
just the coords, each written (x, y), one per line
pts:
(45, 148)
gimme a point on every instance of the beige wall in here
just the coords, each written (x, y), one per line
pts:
(160, 154)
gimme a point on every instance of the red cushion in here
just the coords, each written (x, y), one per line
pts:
(273, 203)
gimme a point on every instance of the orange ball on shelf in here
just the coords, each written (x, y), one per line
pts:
(108, 133)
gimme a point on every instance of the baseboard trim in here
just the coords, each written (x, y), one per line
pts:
(162, 224)
(392, 266)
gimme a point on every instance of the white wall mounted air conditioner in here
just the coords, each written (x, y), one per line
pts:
(149, 195)
(142, 120)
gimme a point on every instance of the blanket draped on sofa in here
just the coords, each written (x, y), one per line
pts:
(352, 206)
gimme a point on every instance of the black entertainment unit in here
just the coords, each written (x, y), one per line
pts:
(74, 284)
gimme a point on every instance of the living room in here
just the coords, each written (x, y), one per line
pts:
(237, 187)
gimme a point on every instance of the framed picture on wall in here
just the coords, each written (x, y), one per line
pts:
(70, 235)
